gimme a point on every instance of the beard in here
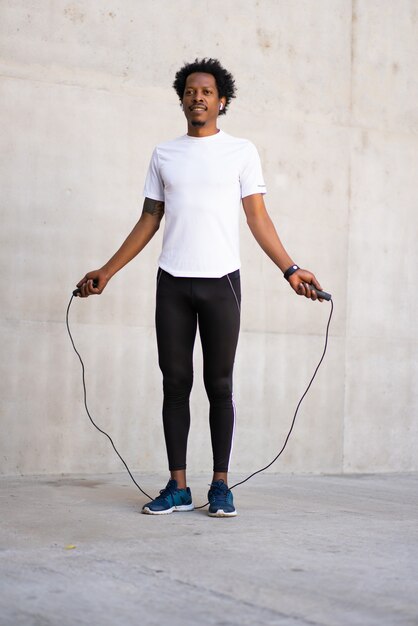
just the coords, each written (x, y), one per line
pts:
(198, 124)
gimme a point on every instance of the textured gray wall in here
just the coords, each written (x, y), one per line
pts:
(328, 91)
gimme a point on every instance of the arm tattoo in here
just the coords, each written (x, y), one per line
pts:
(154, 207)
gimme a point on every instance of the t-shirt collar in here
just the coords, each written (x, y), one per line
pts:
(208, 138)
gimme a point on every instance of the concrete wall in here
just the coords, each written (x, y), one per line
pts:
(328, 91)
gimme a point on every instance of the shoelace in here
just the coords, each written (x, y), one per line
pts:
(217, 493)
(165, 493)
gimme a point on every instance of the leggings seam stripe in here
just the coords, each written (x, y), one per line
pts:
(159, 277)
(235, 295)
(233, 432)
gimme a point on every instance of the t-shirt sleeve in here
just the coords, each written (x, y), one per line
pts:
(251, 175)
(154, 185)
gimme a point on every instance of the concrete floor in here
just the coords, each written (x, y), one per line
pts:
(304, 550)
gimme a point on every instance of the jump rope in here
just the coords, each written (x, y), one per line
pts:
(321, 294)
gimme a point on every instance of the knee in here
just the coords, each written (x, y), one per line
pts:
(219, 389)
(177, 387)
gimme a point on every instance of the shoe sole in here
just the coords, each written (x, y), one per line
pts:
(173, 509)
(221, 513)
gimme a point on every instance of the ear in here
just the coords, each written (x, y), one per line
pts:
(222, 103)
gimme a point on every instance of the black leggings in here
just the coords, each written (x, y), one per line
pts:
(214, 304)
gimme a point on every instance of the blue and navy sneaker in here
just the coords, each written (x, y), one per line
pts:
(221, 502)
(170, 499)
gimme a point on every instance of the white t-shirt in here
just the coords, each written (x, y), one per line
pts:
(202, 180)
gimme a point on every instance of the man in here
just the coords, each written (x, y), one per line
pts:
(198, 182)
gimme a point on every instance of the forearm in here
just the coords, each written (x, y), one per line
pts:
(141, 234)
(95, 282)
(266, 236)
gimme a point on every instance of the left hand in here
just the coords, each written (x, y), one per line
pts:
(300, 282)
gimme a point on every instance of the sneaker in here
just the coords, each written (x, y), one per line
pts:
(221, 502)
(170, 499)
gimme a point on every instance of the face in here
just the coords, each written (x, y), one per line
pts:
(201, 100)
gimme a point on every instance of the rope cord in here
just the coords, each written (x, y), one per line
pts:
(236, 484)
(83, 376)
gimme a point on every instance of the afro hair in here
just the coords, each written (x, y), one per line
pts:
(225, 82)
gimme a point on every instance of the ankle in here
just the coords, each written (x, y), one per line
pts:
(220, 476)
(180, 477)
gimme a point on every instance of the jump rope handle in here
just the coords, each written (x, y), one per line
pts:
(77, 291)
(321, 294)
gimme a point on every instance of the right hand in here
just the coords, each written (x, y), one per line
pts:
(86, 286)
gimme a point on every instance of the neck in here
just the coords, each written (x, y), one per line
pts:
(202, 131)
